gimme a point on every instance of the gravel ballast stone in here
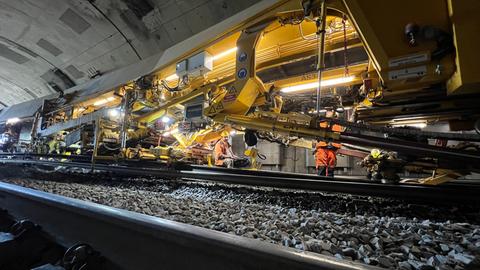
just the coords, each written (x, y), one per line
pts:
(373, 231)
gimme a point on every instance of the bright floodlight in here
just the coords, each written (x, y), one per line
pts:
(166, 119)
(225, 53)
(103, 101)
(420, 125)
(172, 77)
(113, 112)
(13, 120)
(306, 86)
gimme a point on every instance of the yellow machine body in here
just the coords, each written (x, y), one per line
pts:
(400, 64)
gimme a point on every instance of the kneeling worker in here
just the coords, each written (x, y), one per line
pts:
(382, 166)
(223, 152)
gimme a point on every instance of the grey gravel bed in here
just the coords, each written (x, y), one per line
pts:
(374, 231)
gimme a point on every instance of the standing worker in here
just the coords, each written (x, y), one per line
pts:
(325, 158)
(326, 152)
(224, 156)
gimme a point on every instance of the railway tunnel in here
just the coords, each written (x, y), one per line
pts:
(273, 134)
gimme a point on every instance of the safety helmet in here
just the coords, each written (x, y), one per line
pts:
(225, 133)
(375, 153)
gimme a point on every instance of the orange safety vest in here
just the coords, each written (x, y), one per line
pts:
(334, 128)
(220, 151)
(324, 157)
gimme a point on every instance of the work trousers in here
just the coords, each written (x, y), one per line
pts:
(325, 171)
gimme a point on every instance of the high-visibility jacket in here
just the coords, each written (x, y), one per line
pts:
(325, 157)
(220, 151)
(334, 128)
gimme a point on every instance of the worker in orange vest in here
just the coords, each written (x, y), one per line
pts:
(326, 152)
(325, 158)
(223, 153)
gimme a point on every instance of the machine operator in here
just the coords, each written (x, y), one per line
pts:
(224, 156)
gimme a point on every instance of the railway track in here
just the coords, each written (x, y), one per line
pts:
(443, 194)
(135, 241)
(229, 209)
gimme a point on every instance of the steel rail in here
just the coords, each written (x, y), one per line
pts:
(136, 241)
(447, 194)
(154, 164)
(469, 158)
(442, 194)
(460, 184)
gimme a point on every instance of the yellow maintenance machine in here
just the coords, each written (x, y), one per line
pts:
(274, 74)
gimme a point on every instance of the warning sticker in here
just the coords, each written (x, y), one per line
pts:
(212, 110)
(232, 90)
(408, 60)
(407, 73)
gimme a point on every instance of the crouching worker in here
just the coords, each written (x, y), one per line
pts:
(223, 153)
(382, 166)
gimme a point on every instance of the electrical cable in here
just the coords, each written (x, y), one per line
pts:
(261, 156)
(345, 44)
(111, 148)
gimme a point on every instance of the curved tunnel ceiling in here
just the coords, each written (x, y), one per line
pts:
(47, 46)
